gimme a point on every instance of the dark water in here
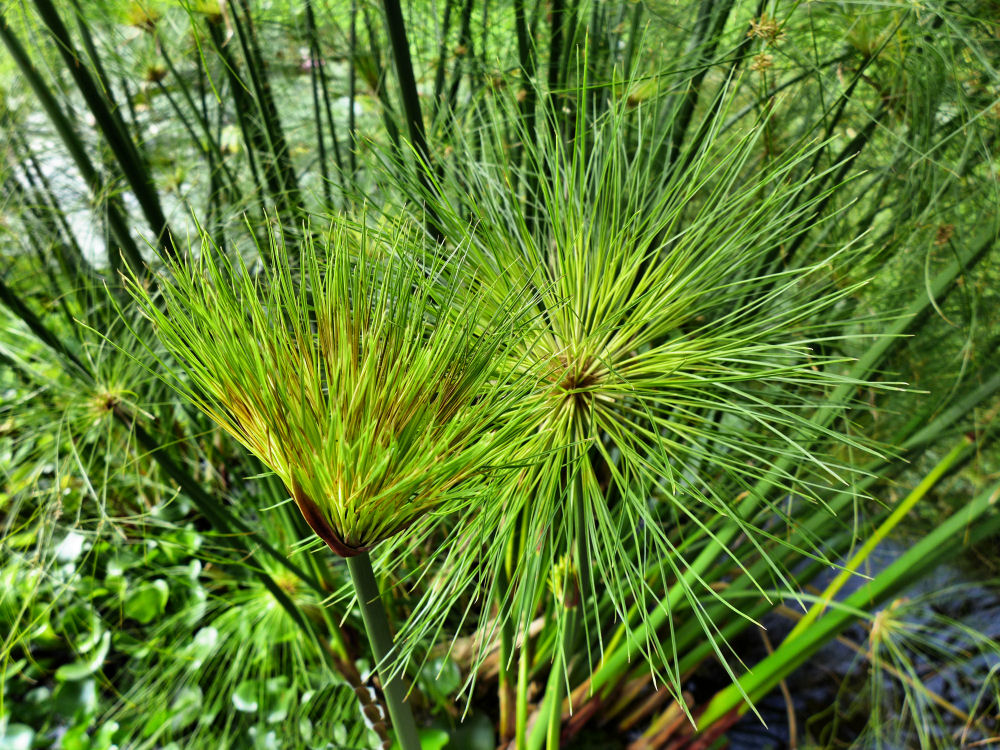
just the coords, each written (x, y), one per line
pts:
(832, 694)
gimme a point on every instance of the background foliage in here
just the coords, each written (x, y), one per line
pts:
(154, 586)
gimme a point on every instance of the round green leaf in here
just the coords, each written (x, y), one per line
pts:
(75, 698)
(147, 602)
(204, 643)
(16, 737)
(245, 696)
(80, 669)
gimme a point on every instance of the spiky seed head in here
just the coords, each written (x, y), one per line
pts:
(563, 582)
(355, 376)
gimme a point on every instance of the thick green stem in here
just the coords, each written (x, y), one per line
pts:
(550, 712)
(556, 689)
(504, 676)
(377, 627)
(854, 564)
(960, 529)
(521, 709)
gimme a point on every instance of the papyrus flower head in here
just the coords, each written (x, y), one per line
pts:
(686, 383)
(353, 374)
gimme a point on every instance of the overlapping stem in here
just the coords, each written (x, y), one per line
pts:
(942, 542)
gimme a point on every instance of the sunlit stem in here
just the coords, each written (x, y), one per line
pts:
(547, 729)
(557, 681)
(958, 531)
(857, 561)
(505, 678)
(521, 711)
(550, 712)
(377, 628)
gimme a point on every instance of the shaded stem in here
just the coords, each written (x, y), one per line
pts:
(396, 28)
(960, 530)
(521, 707)
(117, 220)
(550, 712)
(505, 680)
(377, 628)
(109, 122)
(556, 688)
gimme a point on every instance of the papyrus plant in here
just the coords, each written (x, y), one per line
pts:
(357, 376)
(692, 391)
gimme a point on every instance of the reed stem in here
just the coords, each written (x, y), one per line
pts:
(377, 628)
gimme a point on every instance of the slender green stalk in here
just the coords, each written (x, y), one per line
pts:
(712, 17)
(352, 83)
(439, 72)
(521, 709)
(880, 533)
(277, 155)
(930, 551)
(632, 39)
(505, 681)
(821, 195)
(396, 27)
(320, 84)
(200, 130)
(465, 45)
(377, 628)
(126, 154)
(243, 105)
(257, 114)
(555, 690)
(527, 59)
(555, 44)
(688, 106)
(575, 587)
(317, 79)
(376, 80)
(117, 221)
(547, 728)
